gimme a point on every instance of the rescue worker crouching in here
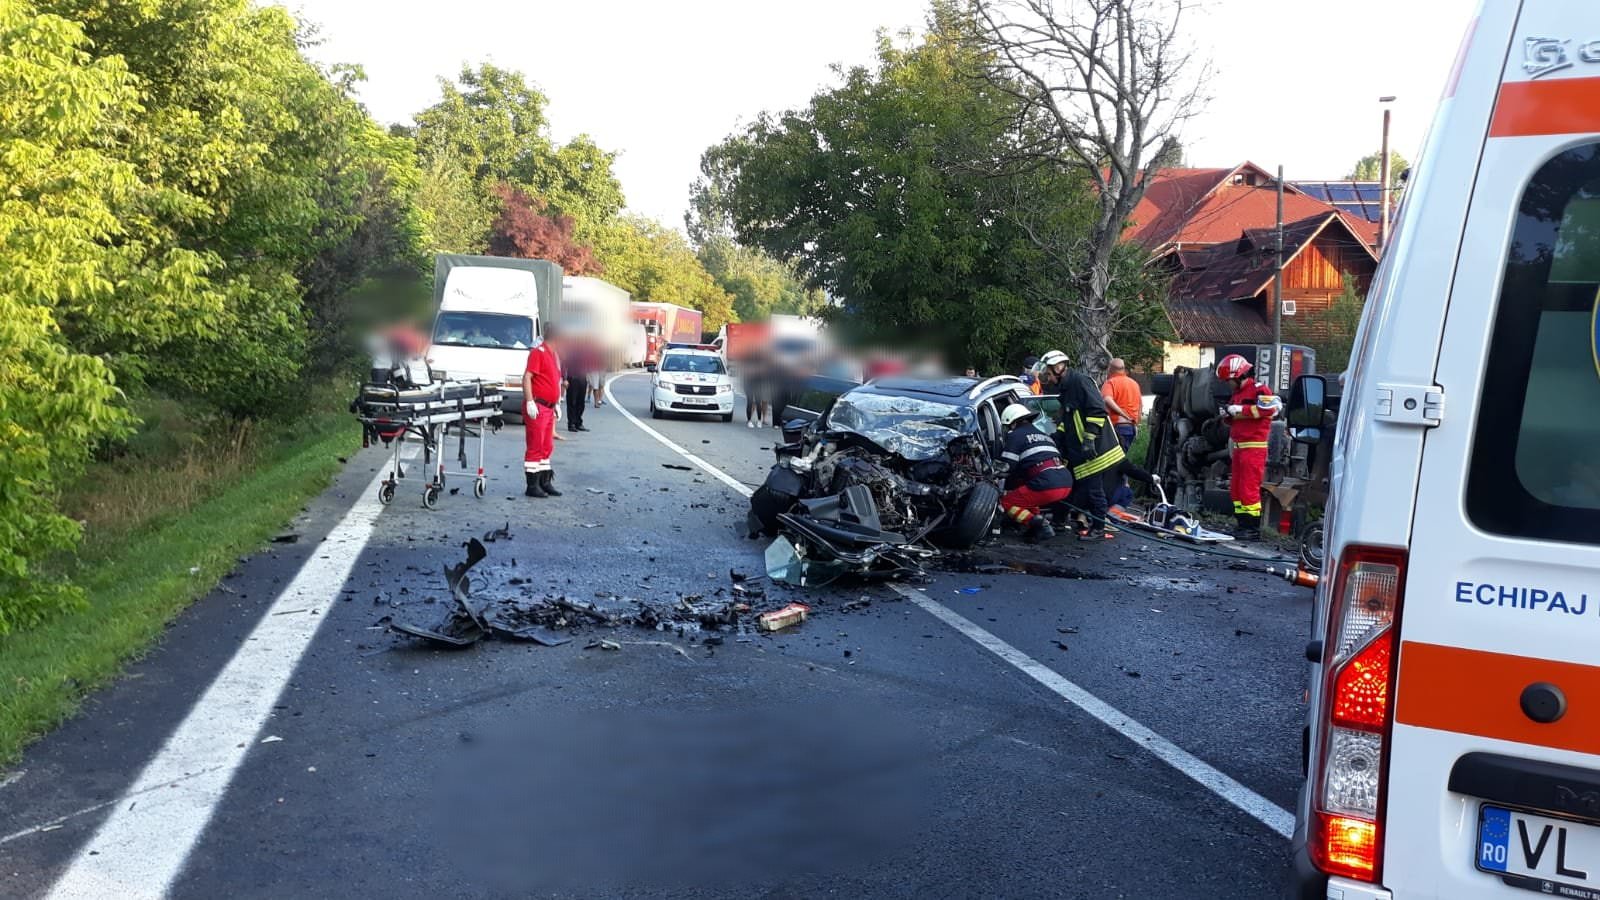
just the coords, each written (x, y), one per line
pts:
(1249, 413)
(541, 386)
(1085, 438)
(1036, 479)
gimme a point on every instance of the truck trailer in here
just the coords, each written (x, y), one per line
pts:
(667, 323)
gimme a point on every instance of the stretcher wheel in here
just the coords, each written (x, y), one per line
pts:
(478, 488)
(386, 493)
(430, 497)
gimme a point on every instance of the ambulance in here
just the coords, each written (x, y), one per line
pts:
(1454, 739)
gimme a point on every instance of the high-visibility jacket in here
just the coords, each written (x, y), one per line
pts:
(1086, 437)
(1253, 425)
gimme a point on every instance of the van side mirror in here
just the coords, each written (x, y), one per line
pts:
(1307, 408)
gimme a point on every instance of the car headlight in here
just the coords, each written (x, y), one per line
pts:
(724, 388)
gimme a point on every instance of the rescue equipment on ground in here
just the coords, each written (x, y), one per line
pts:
(430, 413)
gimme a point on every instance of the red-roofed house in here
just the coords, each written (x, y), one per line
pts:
(1213, 230)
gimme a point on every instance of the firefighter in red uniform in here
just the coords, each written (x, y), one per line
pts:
(1037, 479)
(1249, 413)
(541, 390)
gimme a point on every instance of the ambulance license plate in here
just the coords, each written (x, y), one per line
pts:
(1539, 853)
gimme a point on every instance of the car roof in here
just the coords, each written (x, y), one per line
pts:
(688, 351)
(955, 390)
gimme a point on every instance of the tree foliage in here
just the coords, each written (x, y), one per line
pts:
(655, 263)
(883, 190)
(1369, 168)
(525, 229)
(185, 203)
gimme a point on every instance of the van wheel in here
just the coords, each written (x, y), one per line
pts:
(972, 521)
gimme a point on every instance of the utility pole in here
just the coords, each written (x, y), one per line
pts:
(1383, 180)
(1277, 296)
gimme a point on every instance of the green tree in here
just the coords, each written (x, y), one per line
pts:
(457, 216)
(1333, 333)
(1368, 169)
(759, 284)
(59, 218)
(879, 192)
(494, 122)
(655, 263)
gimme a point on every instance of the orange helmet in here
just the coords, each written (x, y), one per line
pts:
(1233, 366)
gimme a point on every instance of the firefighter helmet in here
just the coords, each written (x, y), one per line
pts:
(1015, 413)
(1233, 366)
(1053, 357)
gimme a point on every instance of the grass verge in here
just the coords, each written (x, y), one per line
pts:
(138, 576)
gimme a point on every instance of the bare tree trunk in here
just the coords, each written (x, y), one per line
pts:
(1103, 87)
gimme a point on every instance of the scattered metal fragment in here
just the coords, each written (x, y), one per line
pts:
(502, 533)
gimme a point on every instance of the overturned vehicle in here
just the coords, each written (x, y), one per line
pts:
(874, 479)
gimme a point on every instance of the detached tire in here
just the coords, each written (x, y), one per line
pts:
(978, 509)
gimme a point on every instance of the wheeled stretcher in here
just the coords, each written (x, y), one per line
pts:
(431, 413)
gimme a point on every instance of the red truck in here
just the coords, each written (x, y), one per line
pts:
(666, 323)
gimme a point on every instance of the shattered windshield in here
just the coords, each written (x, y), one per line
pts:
(911, 427)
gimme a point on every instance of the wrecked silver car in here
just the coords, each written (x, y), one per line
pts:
(877, 478)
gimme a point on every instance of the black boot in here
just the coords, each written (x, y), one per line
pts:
(1039, 530)
(548, 482)
(1247, 528)
(535, 489)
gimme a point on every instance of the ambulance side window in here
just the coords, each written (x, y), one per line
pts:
(1535, 469)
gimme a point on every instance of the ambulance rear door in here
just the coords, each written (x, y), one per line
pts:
(1493, 775)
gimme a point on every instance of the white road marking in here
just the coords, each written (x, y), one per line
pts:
(706, 467)
(142, 847)
(1258, 807)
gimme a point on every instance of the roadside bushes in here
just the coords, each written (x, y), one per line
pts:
(186, 202)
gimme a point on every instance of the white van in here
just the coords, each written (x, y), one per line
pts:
(487, 322)
(1454, 745)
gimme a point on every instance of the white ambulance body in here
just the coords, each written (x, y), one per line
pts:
(1455, 704)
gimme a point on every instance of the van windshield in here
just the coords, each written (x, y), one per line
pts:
(1534, 469)
(477, 329)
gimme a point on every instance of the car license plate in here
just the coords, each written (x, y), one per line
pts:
(1539, 853)
(700, 401)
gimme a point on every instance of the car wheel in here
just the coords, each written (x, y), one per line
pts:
(727, 417)
(655, 411)
(972, 520)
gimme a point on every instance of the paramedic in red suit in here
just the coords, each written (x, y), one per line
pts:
(1249, 413)
(541, 388)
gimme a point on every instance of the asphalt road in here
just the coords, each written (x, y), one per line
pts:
(281, 742)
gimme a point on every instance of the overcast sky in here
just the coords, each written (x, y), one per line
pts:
(659, 80)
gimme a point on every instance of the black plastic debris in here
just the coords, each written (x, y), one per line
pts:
(676, 466)
(515, 614)
(502, 533)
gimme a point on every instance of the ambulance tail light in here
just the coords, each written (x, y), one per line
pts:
(1357, 712)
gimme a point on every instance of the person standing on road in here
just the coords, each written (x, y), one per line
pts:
(755, 377)
(1036, 480)
(1249, 414)
(1086, 440)
(575, 366)
(541, 386)
(599, 366)
(1124, 401)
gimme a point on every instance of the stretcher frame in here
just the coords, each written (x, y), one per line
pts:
(431, 420)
